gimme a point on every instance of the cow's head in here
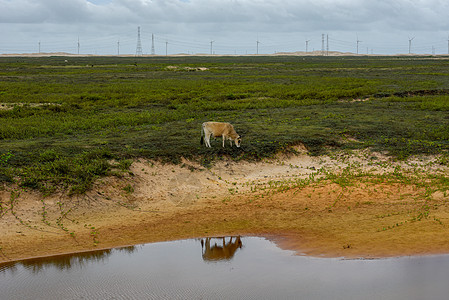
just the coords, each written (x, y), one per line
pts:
(238, 140)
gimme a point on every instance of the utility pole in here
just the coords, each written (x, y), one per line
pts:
(327, 45)
(307, 45)
(410, 45)
(153, 52)
(118, 47)
(139, 43)
(78, 45)
(166, 48)
(211, 42)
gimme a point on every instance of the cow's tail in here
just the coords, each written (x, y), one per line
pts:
(202, 135)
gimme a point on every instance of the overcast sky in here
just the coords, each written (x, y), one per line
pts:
(234, 26)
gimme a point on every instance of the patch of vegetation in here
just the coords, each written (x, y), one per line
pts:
(66, 122)
(74, 173)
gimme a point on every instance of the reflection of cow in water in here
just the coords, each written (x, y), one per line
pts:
(216, 252)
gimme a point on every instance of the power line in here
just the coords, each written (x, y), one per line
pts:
(111, 44)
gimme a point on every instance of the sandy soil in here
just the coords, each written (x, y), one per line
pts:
(157, 202)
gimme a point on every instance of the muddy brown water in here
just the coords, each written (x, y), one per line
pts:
(222, 268)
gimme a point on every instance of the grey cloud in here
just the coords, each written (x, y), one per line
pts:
(325, 15)
(28, 11)
(209, 19)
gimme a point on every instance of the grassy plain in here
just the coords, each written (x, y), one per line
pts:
(63, 122)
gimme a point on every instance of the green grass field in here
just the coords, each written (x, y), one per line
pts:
(63, 124)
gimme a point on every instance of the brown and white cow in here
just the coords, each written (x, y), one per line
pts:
(217, 129)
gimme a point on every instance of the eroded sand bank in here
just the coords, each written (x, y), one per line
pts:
(368, 206)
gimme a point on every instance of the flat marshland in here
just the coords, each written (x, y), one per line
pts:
(341, 156)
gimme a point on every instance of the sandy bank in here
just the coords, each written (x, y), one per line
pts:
(367, 206)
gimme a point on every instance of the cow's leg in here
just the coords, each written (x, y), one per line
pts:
(206, 140)
(204, 132)
(224, 139)
(207, 245)
(207, 137)
(210, 135)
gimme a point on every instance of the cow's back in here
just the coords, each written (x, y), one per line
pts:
(218, 128)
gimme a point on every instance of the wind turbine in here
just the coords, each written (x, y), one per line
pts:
(410, 44)
(211, 42)
(358, 41)
(307, 45)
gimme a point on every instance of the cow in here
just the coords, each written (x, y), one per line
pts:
(216, 129)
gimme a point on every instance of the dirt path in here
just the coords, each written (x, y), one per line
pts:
(362, 205)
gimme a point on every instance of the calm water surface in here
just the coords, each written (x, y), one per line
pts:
(246, 268)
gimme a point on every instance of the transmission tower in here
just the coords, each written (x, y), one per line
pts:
(152, 45)
(78, 45)
(307, 45)
(139, 43)
(257, 49)
(118, 47)
(327, 45)
(211, 42)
